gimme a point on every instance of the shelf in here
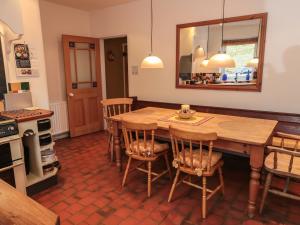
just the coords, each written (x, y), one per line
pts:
(47, 163)
(33, 179)
(50, 174)
(45, 132)
(45, 147)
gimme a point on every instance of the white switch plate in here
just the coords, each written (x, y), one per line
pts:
(134, 70)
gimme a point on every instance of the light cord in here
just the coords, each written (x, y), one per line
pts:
(223, 19)
(151, 27)
(207, 41)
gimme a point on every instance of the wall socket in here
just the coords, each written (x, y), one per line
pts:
(135, 70)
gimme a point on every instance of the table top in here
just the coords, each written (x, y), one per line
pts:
(232, 128)
(18, 209)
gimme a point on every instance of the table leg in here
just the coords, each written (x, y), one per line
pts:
(117, 146)
(256, 162)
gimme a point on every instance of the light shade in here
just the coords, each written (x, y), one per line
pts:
(204, 63)
(199, 53)
(152, 62)
(201, 66)
(221, 60)
(253, 63)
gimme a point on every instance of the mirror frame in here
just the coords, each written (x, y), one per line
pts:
(254, 88)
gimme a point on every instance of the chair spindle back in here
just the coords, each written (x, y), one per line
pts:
(184, 142)
(289, 145)
(139, 138)
(116, 106)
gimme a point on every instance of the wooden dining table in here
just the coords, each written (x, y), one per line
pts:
(237, 135)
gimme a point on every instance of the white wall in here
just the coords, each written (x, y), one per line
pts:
(280, 90)
(58, 20)
(33, 37)
(9, 7)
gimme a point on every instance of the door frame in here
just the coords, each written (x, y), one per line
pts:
(69, 89)
(102, 57)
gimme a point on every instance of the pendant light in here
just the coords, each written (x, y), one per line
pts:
(198, 53)
(206, 60)
(221, 60)
(152, 61)
(253, 63)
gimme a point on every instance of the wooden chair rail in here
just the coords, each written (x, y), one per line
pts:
(284, 151)
(290, 136)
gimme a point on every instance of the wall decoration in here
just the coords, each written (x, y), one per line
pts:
(22, 57)
(18, 87)
(110, 56)
(26, 61)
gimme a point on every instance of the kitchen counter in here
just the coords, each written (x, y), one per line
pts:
(18, 209)
(24, 115)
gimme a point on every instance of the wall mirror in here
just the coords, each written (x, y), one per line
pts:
(243, 39)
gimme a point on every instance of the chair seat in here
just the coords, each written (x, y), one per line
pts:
(215, 158)
(288, 143)
(283, 161)
(158, 147)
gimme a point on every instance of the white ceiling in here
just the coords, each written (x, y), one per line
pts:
(89, 4)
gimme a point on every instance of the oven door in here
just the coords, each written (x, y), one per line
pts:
(12, 165)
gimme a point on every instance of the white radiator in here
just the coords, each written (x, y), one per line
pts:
(60, 118)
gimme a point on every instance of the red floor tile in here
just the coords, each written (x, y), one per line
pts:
(89, 193)
(95, 218)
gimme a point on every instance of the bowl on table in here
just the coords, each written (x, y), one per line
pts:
(185, 115)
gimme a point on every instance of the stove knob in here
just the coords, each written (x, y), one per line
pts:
(11, 128)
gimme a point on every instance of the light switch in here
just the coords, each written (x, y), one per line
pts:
(135, 70)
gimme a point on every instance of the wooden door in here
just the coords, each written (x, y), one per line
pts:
(83, 84)
(116, 67)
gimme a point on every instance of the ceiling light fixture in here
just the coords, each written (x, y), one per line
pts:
(206, 60)
(222, 60)
(152, 61)
(198, 53)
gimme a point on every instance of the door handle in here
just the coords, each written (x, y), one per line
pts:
(71, 94)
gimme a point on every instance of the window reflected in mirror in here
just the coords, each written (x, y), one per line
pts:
(243, 40)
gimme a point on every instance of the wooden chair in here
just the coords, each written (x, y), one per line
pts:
(113, 107)
(283, 160)
(195, 161)
(141, 146)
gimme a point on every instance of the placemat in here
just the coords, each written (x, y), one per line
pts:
(194, 120)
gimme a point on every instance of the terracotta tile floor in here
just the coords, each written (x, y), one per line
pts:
(89, 192)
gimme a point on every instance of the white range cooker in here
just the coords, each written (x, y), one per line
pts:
(12, 168)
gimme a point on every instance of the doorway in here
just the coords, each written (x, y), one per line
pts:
(116, 67)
